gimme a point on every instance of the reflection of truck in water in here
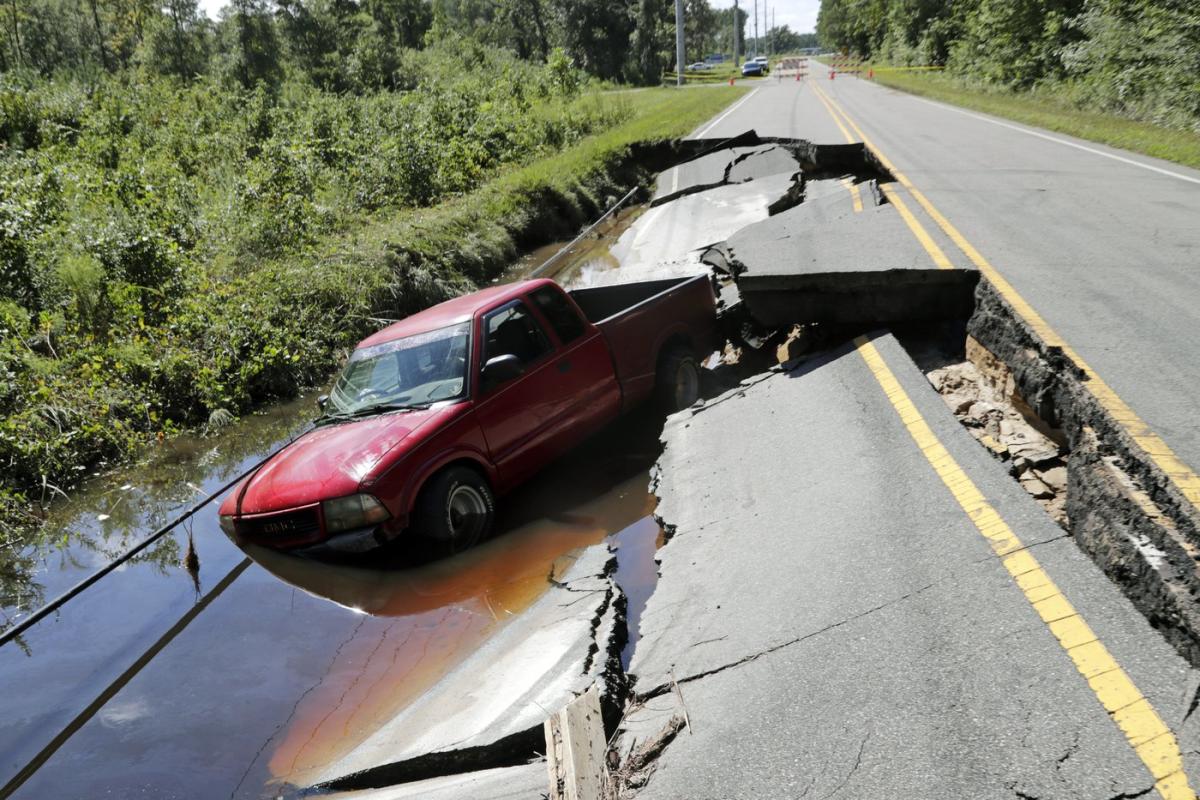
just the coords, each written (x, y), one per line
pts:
(435, 415)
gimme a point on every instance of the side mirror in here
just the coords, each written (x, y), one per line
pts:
(322, 401)
(501, 369)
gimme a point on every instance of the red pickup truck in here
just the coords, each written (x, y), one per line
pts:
(437, 414)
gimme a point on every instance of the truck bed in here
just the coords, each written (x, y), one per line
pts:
(640, 319)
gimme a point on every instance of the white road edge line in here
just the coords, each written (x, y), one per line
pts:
(728, 111)
(1049, 138)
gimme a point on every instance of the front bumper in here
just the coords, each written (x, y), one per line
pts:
(361, 540)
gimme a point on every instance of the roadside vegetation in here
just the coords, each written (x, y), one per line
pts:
(1118, 72)
(204, 221)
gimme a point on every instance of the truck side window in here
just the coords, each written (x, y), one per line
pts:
(563, 318)
(514, 331)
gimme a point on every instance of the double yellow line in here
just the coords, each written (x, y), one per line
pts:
(1151, 739)
(1128, 708)
(1151, 443)
(918, 230)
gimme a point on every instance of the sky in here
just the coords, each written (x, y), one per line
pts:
(799, 15)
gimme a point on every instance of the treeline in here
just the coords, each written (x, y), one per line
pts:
(1137, 58)
(346, 45)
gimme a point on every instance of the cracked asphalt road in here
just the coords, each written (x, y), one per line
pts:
(837, 626)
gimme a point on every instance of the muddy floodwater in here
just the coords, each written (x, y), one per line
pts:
(582, 262)
(262, 668)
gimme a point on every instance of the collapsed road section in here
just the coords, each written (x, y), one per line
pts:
(992, 659)
(884, 648)
(840, 258)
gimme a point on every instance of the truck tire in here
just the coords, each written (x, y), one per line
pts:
(677, 382)
(455, 510)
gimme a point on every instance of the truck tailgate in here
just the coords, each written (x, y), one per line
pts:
(639, 319)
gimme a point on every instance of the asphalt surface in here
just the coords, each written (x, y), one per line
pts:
(838, 626)
(828, 234)
(1101, 242)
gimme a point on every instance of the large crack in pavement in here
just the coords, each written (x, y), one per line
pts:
(1120, 506)
(793, 266)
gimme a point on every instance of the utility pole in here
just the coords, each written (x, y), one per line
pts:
(737, 34)
(755, 28)
(679, 43)
(774, 31)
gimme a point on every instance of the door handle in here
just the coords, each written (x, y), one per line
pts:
(564, 366)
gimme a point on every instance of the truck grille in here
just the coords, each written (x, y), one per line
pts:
(288, 526)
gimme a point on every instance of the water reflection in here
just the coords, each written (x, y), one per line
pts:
(115, 510)
(432, 617)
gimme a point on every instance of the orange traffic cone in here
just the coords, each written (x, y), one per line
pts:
(731, 81)
(831, 74)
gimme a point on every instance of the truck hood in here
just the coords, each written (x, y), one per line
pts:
(330, 461)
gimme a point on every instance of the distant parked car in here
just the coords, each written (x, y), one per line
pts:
(699, 65)
(753, 68)
(766, 64)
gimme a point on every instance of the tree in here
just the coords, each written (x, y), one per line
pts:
(700, 31)
(597, 34)
(785, 40)
(724, 30)
(651, 42)
(249, 44)
(401, 23)
(177, 43)
(1015, 42)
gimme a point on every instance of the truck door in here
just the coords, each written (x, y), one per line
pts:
(586, 366)
(520, 417)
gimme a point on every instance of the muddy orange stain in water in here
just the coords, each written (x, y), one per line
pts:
(423, 622)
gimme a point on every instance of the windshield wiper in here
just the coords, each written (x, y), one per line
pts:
(368, 411)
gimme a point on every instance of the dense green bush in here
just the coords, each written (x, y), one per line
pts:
(1136, 58)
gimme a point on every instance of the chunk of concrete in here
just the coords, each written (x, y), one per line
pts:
(822, 261)
(524, 782)
(553, 651)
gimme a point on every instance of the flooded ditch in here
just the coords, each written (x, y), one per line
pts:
(247, 677)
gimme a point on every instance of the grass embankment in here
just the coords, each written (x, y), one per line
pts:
(171, 257)
(1045, 109)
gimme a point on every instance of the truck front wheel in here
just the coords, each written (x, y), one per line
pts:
(455, 510)
(678, 379)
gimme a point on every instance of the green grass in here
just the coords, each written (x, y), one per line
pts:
(1046, 110)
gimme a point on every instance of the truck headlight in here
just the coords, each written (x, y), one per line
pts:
(355, 511)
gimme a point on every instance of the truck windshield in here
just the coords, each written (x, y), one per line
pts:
(411, 371)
